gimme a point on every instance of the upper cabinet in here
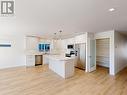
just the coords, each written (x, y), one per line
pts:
(71, 41)
(45, 41)
(32, 43)
(66, 42)
(75, 40)
(80, 39)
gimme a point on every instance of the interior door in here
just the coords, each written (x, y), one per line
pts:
(92, 56)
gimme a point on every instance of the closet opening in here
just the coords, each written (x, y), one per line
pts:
(103, 53)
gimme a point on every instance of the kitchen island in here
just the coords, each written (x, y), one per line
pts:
(63, 66)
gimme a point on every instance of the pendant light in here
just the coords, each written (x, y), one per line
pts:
(60, 34)
(55, 36)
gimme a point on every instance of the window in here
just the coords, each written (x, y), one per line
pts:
(44, 47)
(47, 47)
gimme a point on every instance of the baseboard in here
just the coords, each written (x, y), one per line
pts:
(93, 68)
(116, 72)
(13, 67)
(102, 65)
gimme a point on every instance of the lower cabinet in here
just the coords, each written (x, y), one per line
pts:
(34, 60)
(45, 59)
(30, 60)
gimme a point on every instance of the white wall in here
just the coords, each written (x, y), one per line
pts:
(109, 34)
(12, 56)
(120, 52)
(13, 29)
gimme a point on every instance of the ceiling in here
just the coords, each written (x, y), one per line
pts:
(45, 17)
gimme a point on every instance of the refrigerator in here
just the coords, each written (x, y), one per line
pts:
(80, 50)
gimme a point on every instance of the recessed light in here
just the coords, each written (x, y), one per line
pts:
(111, 9)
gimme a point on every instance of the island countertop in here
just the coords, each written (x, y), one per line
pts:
(63, 66)
(59, 57)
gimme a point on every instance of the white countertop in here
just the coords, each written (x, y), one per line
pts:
(59, 57)
(49, 55)
(35, 52)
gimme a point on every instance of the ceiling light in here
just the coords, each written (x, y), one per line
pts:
(55, 37)
(58, 36)
(111, 9)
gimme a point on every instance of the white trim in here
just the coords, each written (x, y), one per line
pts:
(93, 68)
(109, 34)
(90, 36)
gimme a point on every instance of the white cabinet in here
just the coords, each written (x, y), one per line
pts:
(80, 39)
(30, 60)
(64, 68)
(71, 41)
(32, 43)
(66, 42)
(46, 41)
(45, 59)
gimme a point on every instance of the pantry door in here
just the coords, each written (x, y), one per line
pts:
(91, 55)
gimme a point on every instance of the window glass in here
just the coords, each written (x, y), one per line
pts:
(44, 47)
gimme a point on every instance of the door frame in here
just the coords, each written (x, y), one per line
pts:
(111, 36)
(107, 34)
(109, 51)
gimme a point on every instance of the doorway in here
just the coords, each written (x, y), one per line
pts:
(103, 52)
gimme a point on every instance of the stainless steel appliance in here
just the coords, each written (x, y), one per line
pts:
(70, 46)
(38, 60)
(80, 50)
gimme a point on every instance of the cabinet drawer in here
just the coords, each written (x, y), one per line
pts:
(30, 56)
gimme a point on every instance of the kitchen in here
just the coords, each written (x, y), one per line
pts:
(40, 51)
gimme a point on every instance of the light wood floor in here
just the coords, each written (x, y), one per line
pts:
(41, 81)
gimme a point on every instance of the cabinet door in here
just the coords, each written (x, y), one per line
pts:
(30, 60)
(80, 39)
(45, 59)
(32, 43)
(71, 41)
